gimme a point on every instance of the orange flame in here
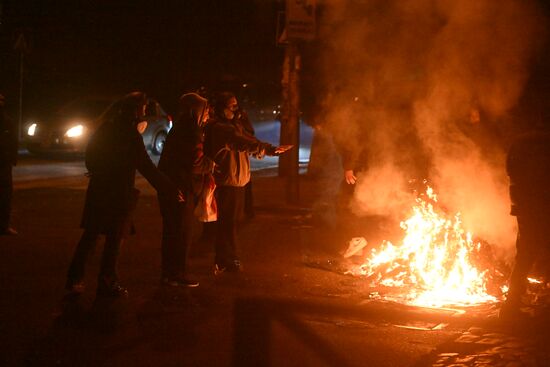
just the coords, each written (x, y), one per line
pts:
(434, 261)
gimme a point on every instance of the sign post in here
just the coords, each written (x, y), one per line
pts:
(299, 27)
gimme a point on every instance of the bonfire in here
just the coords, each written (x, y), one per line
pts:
(437, 263)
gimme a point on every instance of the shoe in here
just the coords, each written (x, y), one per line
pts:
(8, 232)
(75, 286)
(234, 266)
(218, 269)
(114, 290)
(231, 267)
(179, 282)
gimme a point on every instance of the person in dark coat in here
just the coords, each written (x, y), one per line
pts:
(113, 155)
(528, 166)
(184, 162)
(229, 146)
(8, 159)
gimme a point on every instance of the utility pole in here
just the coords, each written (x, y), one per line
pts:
(300, 26)
(290, 122)
(22, 47)
(293, 179)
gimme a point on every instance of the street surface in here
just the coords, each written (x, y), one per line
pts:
(287, 308)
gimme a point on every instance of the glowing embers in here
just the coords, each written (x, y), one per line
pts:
(436, 264)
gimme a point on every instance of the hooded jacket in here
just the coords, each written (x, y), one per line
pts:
(182, 158)
(229, 145)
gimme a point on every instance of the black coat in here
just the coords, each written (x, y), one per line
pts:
(112, 157)
(183, 159)
(528, 165)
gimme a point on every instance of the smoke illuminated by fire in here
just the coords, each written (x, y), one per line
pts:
(436, 263)
(404, 78)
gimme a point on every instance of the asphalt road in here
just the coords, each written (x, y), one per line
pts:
(290, 306)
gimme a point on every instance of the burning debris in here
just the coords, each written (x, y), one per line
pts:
(437, 262)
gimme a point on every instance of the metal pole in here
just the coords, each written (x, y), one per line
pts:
(20, 121)
(293, 184)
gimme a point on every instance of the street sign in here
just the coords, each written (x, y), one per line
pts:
(300, 20)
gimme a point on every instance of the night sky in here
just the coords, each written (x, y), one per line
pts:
(164, 48)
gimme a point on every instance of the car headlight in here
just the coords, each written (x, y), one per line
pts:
(75, 131)
(31, 130)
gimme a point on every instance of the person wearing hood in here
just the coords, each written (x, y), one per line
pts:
(229, 146)
(184, 162)
(114, 153)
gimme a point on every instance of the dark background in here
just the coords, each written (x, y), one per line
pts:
(165, 48)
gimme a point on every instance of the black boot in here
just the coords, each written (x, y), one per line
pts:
(110, 288)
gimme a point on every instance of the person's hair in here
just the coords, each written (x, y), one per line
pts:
(128, 107)
(221, 100)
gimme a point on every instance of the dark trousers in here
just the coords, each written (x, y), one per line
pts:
(6, 192)
(248, 201)
(533, 238)
(177, 235)
(346, 221)
(230, 200)
(109, 259)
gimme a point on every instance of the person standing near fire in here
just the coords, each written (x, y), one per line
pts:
(113, 155)
(8, 159)
(528, 166)
(354, 157)
(184, 162)
(229, 146)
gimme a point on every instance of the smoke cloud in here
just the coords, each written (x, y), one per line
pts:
(428, 86)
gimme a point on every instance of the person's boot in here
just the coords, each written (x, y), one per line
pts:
(110, 288)
(179, 282)
(8, 232)
(74, 287)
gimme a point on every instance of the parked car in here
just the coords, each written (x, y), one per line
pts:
(69, 129)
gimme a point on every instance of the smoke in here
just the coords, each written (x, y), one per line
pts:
(427, 87)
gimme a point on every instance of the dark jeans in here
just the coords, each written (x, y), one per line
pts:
(248, 201)
(86, 245)
(6, 192)
(230, 200)
(177, 235)
(533, 238)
